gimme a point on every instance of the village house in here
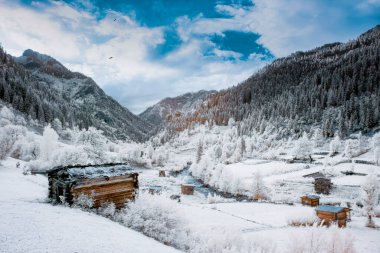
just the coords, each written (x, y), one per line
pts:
(337, 214)
(310, 200)
(107, 183)
(322, 185)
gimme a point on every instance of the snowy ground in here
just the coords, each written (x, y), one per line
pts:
(28, 224)
(265, 220)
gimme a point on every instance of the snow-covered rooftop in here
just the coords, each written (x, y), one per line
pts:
(332, 209)
(99, 171)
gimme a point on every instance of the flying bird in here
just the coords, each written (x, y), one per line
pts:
(111, 57)
(114, 19)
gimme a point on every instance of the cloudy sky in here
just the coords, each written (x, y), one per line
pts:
(162, 48)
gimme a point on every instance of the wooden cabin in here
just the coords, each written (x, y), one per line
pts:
(331, 214)
(187, 189)
(103, 183)
(161, 173)
(322, 185)
(310, 200)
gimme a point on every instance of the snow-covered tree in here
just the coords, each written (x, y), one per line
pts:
(350, 148)
(376, 148)
(150, 151)
(334, 146)
(6, 116)
(370, 190)
(317, 138)
(9, 135)
(231, 123)
(376, 155)
(49, 143)
(239, 150)
(258, 189)
(94, 142)
(303, 148)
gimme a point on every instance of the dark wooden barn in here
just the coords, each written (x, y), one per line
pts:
(310, 200)
(103, 183)
(161, 173)
(331, 214)
(322, 185)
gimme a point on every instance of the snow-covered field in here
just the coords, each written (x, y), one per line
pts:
(228, 171)
(29, 224)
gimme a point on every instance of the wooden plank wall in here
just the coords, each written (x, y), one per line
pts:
(118, 190)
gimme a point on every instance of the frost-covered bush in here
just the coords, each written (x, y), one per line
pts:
(303, 218)
(258, 189)
(27, 148)
(107, 210)
(317, 239)
(213, 199)
(9, 135)
(158, 217)
(376, 211)
(84, 201)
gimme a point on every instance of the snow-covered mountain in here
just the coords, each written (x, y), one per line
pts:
(44, 89)
(174, 107)
(335, 87)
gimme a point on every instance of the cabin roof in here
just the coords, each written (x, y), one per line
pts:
(92, 171)
(99, 171)
(330, 209)
(315, 175)
(311, 196)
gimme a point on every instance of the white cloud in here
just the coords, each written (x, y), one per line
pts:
(22, 28)
(287, 26)
(85, 44)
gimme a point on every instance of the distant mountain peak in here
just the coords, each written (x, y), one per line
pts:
(36, 61)
(53, 91)
(172, 106)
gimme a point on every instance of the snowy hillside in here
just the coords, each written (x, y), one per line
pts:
(29, 224)
(335, 86)
(43, 89)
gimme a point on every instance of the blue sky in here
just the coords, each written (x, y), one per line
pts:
(164, 48)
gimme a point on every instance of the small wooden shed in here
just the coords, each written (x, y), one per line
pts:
(310, 200)
(333, 214)
(187, 189)
(103, 183)
(161, 173)
(322, 185)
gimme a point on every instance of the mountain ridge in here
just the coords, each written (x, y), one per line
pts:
(44, 89)
(334, 87)
(170, 107)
